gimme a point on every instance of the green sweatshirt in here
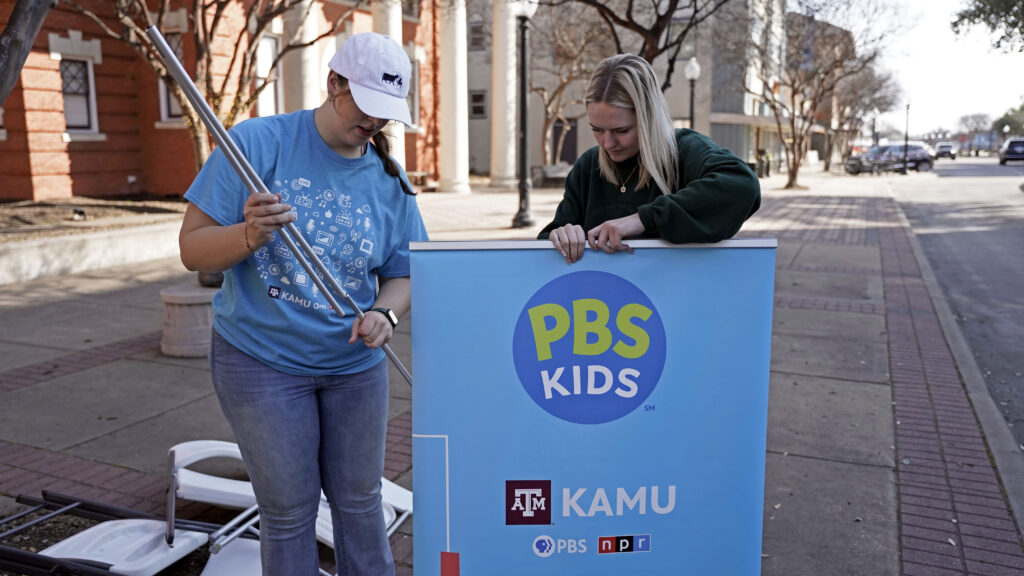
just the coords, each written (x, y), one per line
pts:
(717, 193)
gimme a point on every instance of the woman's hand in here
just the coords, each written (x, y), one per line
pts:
(264, 215)
(570, 241)
(374, 328)
(608, 236)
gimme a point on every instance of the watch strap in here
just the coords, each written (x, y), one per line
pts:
(389, 314)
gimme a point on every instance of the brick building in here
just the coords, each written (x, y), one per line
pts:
(89, 116)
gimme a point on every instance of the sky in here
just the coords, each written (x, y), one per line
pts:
(945, 76)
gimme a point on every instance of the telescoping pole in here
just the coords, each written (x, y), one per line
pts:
(289, 234)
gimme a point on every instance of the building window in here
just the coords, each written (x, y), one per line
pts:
(478, 104)
(269, 101)
(78, 85)
(170, 108)
(79, 95)
(411, 8)
(477, 37)
(413, 98)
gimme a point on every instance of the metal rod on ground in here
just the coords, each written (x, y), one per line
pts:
(289, 234)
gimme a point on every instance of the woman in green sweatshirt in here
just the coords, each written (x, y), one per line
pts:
(645, 179)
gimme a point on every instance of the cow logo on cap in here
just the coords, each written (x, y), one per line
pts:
(392, 79)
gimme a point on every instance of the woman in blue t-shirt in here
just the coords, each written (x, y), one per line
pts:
(304, 388)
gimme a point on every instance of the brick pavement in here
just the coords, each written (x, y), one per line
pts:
(953, 513)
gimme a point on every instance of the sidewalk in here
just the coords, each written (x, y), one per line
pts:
(879, 438)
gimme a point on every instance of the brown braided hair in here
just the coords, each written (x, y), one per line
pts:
(383, 147)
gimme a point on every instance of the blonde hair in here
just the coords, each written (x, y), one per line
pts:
(628, 81)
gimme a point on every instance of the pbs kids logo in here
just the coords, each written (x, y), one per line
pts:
(589, 347)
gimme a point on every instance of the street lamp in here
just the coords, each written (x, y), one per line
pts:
(692, 73)
(523, 10)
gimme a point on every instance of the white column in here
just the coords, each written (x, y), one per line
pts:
(387, 19)
(503, 97)
(454, 96)
(301, 75)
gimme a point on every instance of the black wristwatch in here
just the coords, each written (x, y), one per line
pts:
(389, 314)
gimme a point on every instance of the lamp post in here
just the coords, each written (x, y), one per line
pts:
(906, 141)
(523, 10)
(874, 128)
(692, 73)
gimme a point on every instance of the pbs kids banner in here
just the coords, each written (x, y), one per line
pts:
(605, 417)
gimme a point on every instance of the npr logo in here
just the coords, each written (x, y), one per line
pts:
(527, 502)
(617, 544)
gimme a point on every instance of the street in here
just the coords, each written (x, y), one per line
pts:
(968, 215)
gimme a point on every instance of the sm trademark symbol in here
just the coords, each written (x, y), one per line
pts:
(649, 408)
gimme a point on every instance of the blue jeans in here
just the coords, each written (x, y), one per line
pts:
(298, 434)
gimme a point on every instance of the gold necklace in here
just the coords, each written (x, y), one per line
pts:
(622, 183)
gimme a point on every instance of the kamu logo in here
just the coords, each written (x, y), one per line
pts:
(589, 347)
(581, 502)
(527, 502)
(620, 544)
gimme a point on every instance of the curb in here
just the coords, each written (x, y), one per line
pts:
(22, 261)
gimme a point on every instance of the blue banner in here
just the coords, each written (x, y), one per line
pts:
(602, 418)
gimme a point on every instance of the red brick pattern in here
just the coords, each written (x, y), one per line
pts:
(76, 362)
(28, 470)
(953, 516)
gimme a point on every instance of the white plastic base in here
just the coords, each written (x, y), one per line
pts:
(132, 547)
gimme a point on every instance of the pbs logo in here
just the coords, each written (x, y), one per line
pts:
(543, 546)
(589, 347)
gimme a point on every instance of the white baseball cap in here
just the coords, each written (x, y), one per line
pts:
(378, 72)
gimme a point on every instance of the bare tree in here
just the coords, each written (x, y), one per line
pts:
(17, 38)
(650, 28)
(566, 58)
(796, 67)
(974, 124)
(231, 92)
(855, 101)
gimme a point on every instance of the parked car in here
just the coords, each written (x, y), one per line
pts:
(919, 157)
(865, 162)
(1012, 149)
(945, 150)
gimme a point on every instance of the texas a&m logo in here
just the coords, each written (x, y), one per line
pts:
(527, 502)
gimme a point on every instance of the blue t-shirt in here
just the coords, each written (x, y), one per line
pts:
(354, 215)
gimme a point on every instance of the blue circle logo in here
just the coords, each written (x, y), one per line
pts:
(589, 347)
(543, 546)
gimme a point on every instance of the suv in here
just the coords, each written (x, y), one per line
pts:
(919, 157)
(858, 163)
(1012, 149)
(945, 150)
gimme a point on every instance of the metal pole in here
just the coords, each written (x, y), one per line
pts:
(523, 218)
(693, 122)
(906, 138)
(289, 234)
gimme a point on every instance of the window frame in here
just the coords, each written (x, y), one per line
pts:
(167, 115)
(92, 125)
(275, 88)
(483, 114)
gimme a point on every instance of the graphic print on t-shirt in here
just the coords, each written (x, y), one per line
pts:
(340, 233)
